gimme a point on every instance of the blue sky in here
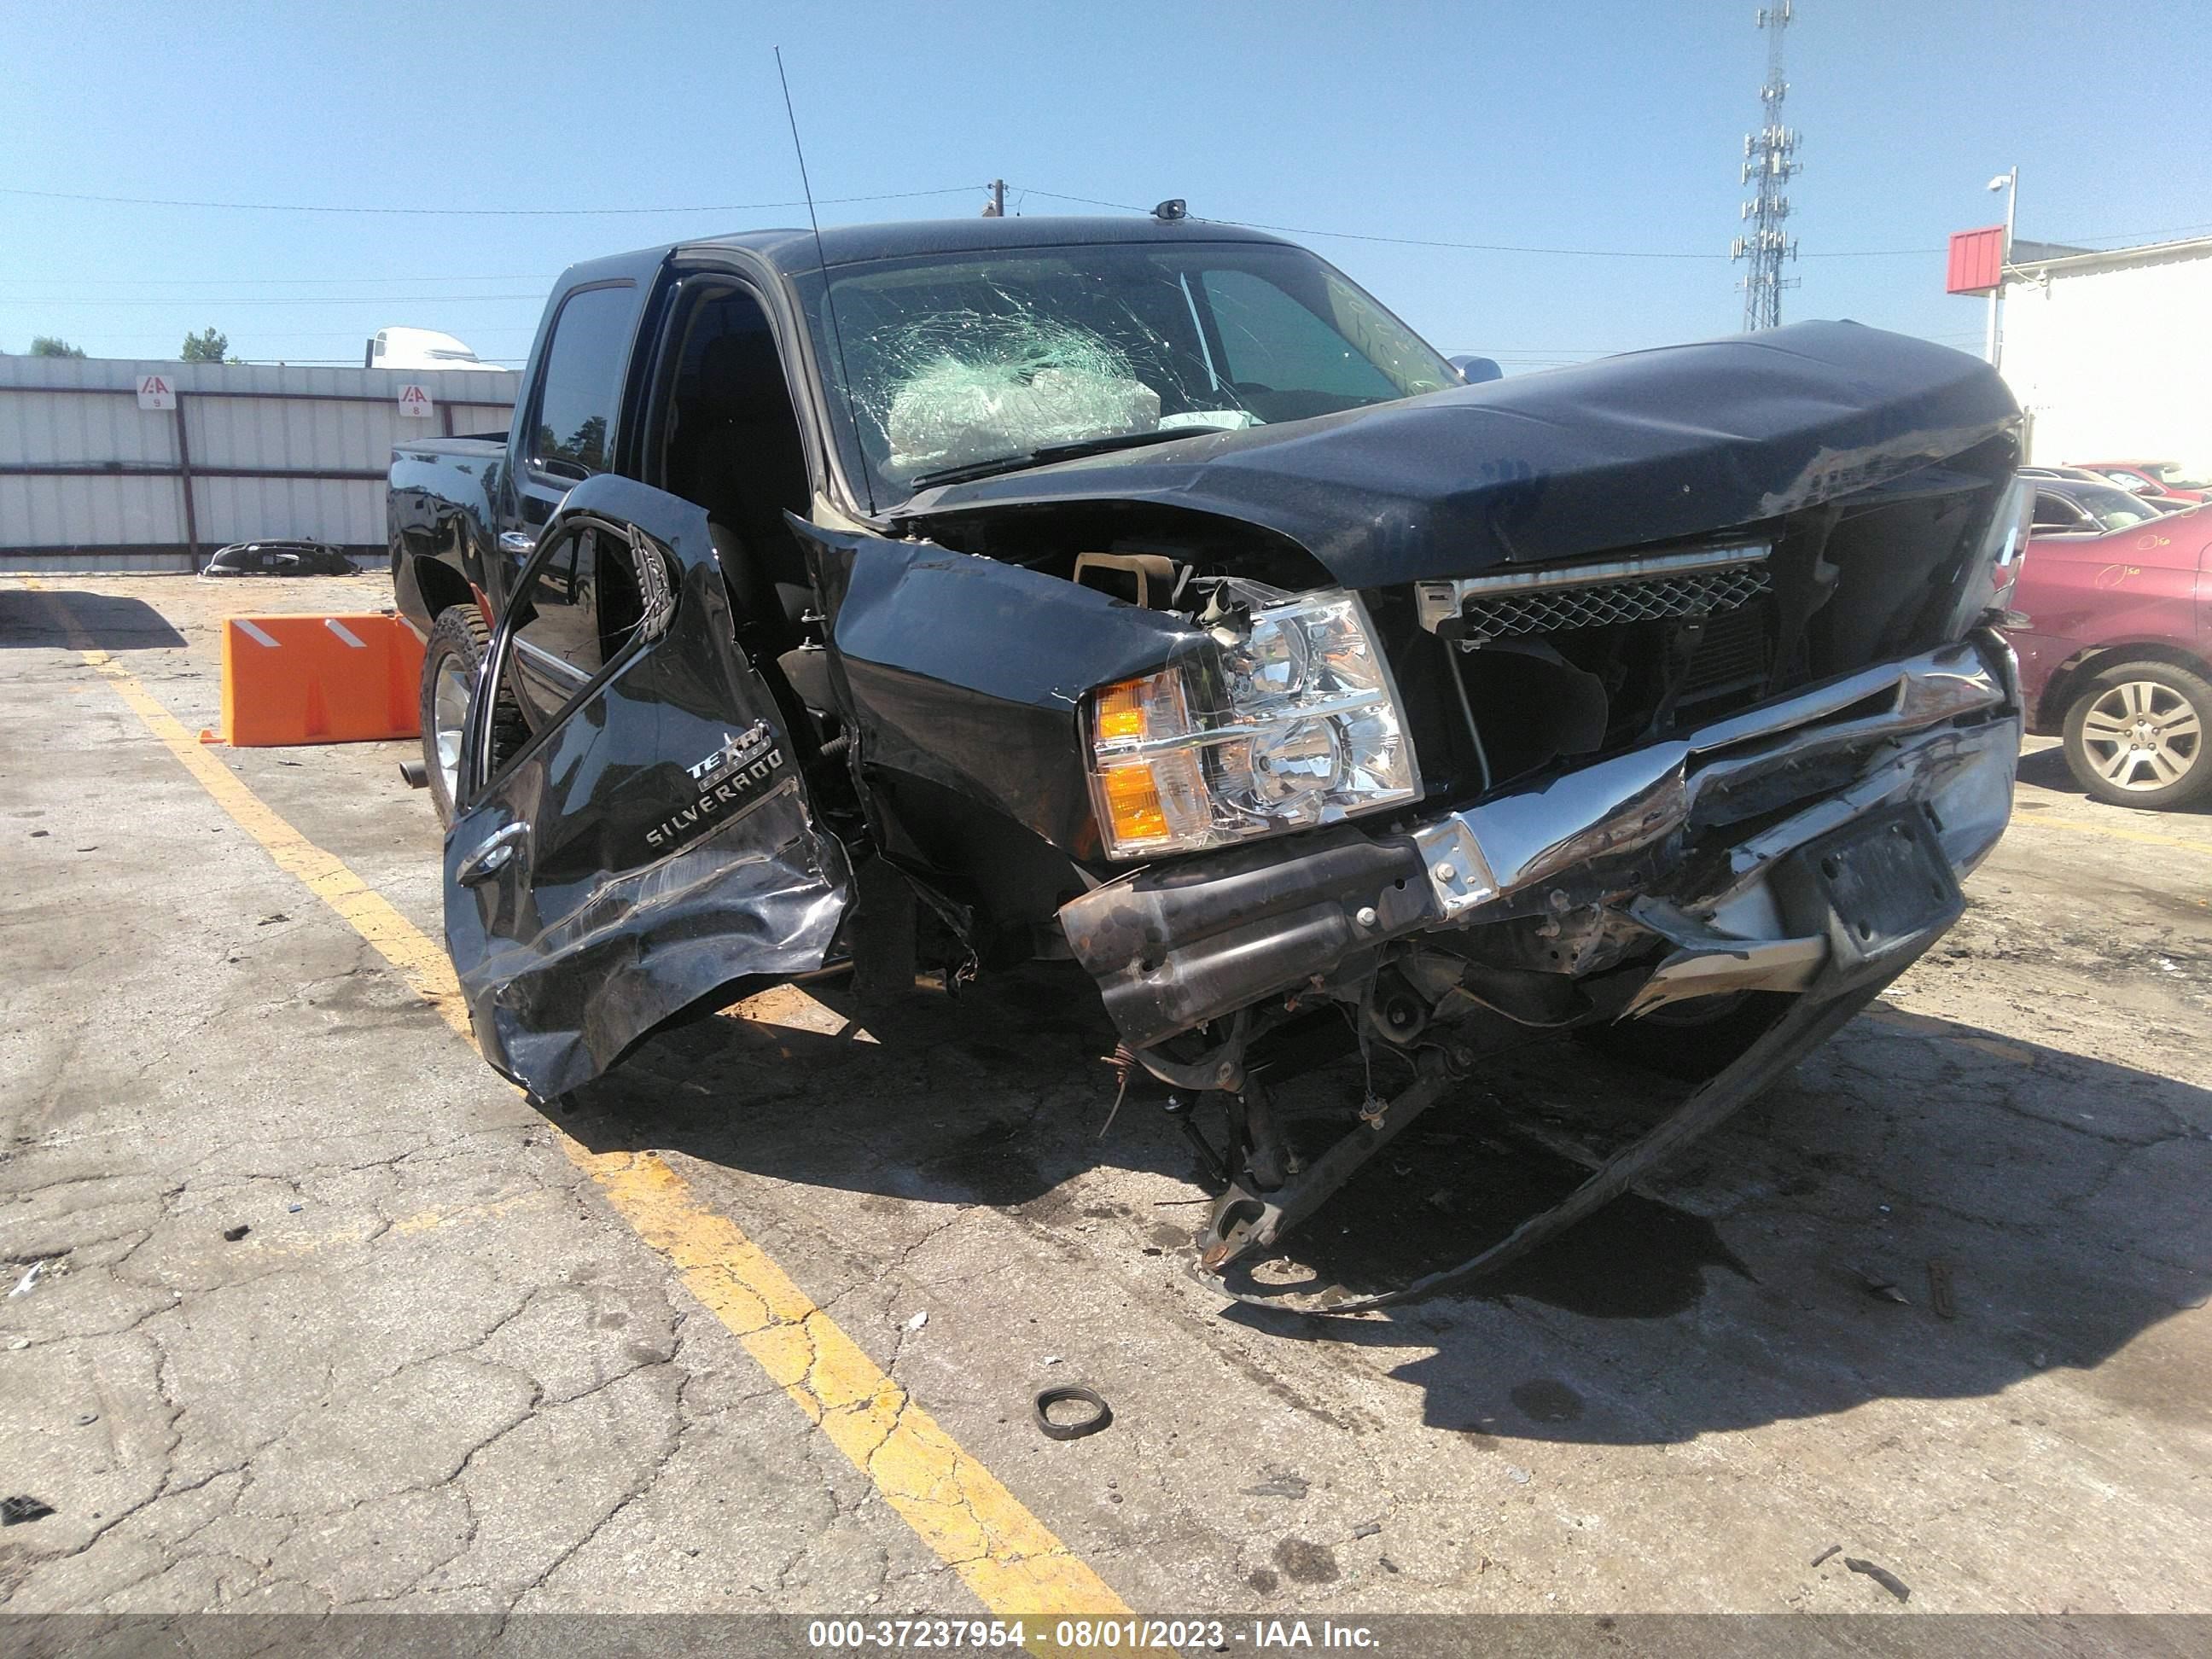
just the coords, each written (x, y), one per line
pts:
(1594, 126)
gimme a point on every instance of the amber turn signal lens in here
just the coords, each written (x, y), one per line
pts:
(1134, 799)
(1121, 711)
(1146, 790)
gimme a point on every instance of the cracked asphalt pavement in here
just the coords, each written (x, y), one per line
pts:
(325, 1315)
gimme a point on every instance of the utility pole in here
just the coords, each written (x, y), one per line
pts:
(996, 207)
(1769, 163)
(2008, 182)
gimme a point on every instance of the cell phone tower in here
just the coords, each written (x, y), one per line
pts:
(1769, 163)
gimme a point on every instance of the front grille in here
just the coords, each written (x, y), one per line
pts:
(1554, 611)
(1507, 674)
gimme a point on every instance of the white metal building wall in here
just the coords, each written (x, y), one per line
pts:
(89, 480)
(2114, 363)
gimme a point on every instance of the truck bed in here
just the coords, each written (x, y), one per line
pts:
(440, 508)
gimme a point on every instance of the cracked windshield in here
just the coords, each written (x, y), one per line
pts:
(965, 366)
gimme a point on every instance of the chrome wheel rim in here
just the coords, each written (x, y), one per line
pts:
(2141, 736)
(449, 713)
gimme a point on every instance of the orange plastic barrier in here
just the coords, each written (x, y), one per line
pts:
(301, 679)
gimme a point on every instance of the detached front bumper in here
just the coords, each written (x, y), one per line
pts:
(1935, 738)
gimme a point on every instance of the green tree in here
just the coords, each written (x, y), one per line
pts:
(589, 445)
(206, 347)
(47, 346)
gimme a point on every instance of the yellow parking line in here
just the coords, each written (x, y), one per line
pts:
(420, 963)
(1008, 1558)
(2146, 837)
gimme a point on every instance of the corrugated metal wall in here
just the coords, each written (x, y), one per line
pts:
(2113, 364)
(89, 480)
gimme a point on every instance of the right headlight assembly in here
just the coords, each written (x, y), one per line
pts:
(1285, 717)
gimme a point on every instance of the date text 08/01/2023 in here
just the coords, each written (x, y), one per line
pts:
(1103, 1635)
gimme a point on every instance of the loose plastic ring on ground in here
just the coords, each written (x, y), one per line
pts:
(1050, 1397)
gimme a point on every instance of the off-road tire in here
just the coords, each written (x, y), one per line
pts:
(2192, 694)
(1689, 1040)
(459, 636)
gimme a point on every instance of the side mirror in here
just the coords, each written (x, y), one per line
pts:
(1475, 370)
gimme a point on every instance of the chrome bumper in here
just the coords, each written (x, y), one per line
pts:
(1940, 732)
(1178, 945)
(1519, 840)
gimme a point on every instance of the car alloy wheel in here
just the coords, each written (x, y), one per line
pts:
(2135, 734)
(2142, 736)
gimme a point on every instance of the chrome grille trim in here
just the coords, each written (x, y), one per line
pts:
(1591, 595)
(1570, 608)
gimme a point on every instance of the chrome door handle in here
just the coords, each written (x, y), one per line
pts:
(490, 858)
(515, 544)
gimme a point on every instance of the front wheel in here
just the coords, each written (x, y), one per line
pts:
(452, 656)
(2135, 735)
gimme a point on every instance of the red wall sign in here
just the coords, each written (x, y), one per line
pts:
(1976, 260)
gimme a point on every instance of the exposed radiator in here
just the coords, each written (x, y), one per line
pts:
(1733, 653)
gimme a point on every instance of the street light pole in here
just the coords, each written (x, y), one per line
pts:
(1993, 348)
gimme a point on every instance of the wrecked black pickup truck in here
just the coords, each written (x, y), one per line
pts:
(948, 595)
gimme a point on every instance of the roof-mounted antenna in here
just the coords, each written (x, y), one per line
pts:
(822, 264)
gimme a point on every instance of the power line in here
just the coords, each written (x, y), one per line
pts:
(471, 213)
(211, 300)
(2123, 235)
(1471, 248)
(1568, 253)
(354, 362)
(1402, 241)
(355, 334)
(885, 196)
(279, 281)
(741, 207)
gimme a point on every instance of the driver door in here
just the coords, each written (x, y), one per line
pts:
(651, 843)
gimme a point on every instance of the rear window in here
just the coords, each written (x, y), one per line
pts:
(582, 379)
(2054, 512)
(2114, 509)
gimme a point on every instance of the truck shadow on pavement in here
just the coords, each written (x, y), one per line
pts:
(2047, 769)
(1924, 1210)
(995, 1097)
(109, 622)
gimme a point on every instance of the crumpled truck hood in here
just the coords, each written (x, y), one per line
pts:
(1652, 447)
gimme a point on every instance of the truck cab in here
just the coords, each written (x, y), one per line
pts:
(671, 368)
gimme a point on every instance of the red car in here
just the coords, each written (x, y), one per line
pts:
(2116, 654)
(2168, 478)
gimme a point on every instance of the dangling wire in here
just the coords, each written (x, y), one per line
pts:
(1123, 1060)
(1372, 1106)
